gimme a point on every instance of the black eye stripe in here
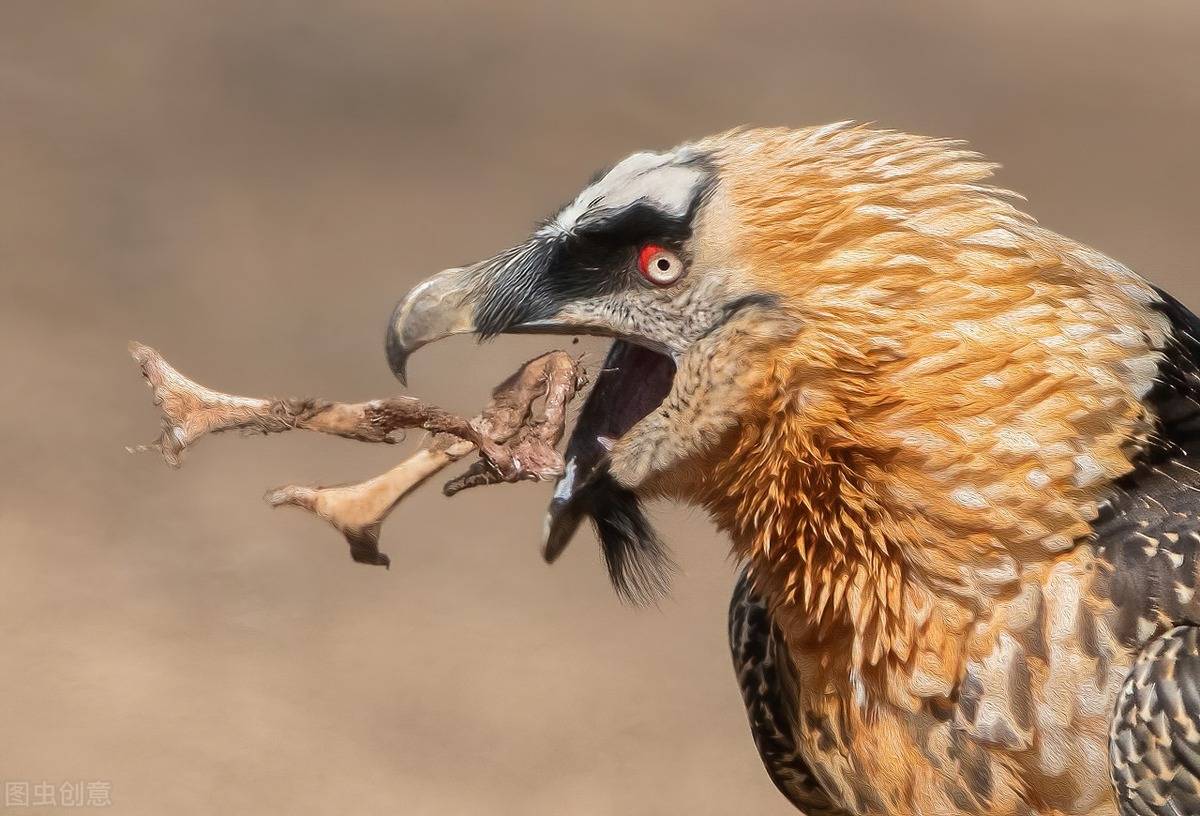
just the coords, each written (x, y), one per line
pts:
(633, 225)
(595, 257)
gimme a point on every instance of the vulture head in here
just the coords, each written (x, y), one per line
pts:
(828, 338)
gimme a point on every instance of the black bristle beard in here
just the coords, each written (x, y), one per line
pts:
(639, 563)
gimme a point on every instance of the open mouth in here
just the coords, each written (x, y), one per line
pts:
(633, 382)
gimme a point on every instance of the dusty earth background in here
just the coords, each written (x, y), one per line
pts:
(250, 187)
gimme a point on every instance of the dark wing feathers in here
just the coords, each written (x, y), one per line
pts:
(1155, 745)
(1149, 530)
(1149, 534)
(1176, 397)
(760, 662)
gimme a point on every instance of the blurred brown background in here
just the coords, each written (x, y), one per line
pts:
(249, 187)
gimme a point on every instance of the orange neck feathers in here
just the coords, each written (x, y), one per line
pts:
(958, 389)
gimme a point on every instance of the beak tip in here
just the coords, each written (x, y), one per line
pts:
(438, 307)
(399, 368)
(562, 520)
(397, 356)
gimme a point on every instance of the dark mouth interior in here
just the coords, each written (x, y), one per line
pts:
(633, 382)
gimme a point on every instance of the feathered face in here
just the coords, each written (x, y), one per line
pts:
(839, 340)
(643, 255)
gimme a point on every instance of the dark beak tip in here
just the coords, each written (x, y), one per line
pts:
(563, 518)
(553, 548)
(400, 370)
(397, 357)
(397, 354)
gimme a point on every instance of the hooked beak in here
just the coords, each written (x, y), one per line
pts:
(439, 307)
(473, 299)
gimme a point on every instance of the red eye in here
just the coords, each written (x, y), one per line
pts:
(658, 265)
